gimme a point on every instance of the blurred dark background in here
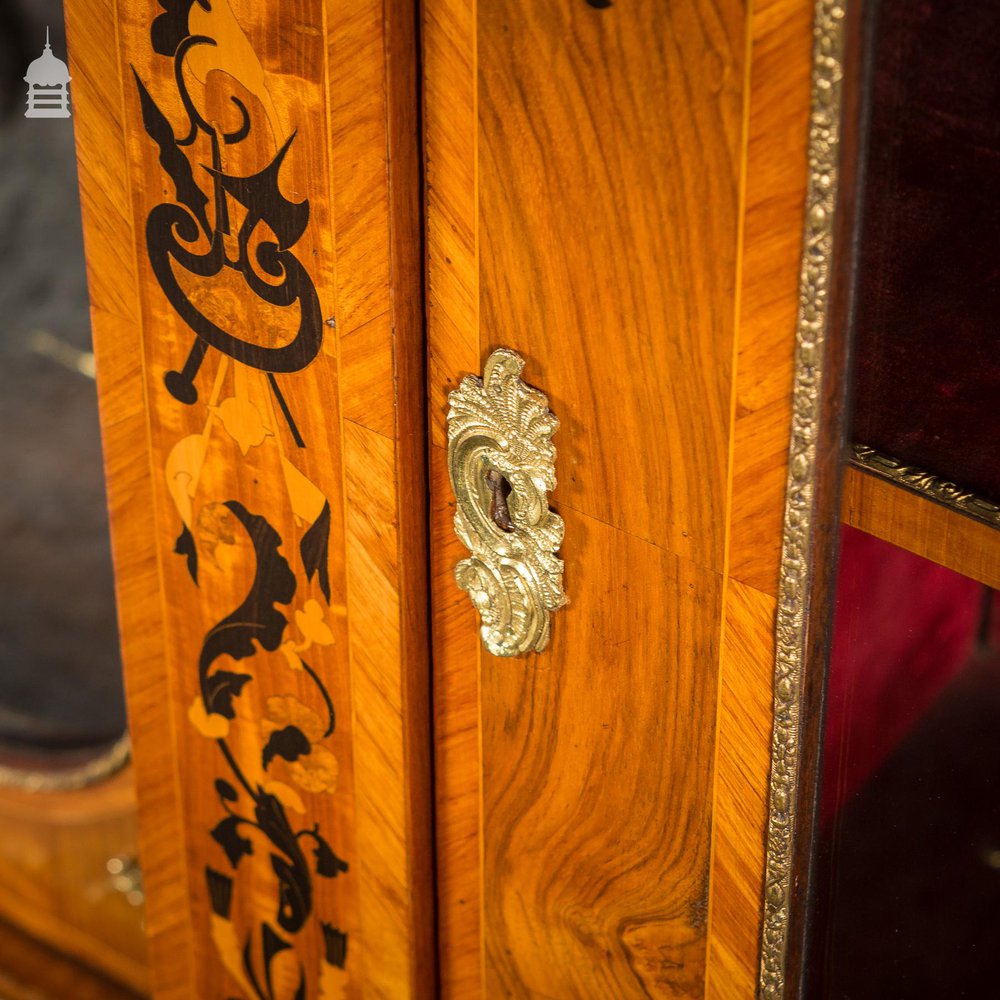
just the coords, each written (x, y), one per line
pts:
(60, 681)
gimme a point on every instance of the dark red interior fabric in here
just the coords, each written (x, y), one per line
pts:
(927, 333)
(903, 628)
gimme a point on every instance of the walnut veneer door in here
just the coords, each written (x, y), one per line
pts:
(251, 205)
(583, 183)
(616, 192)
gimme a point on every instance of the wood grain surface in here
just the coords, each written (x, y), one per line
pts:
(922, 526)
(102, 168)
(298, 478)
(773, 218)
(452, 265)
(583, 209)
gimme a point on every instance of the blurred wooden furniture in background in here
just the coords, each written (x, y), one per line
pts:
(32, 971)
(54, 856)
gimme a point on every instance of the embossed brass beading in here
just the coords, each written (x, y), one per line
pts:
(807, 400)
(501, 461)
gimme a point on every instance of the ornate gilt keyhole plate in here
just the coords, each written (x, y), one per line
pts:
(501, 461)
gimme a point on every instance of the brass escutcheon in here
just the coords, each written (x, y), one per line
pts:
(501, 461)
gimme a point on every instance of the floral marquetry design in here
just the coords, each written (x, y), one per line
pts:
(231, 247)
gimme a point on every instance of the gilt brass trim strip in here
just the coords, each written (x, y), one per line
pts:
(941, 491)
(70, 779)
(811, 330)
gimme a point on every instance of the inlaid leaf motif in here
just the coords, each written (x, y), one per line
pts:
(294, 893)
(214, 526)
(327, 863)
(289, 743)
(173, 161)
(335, 945)
(314, 548)
(305, 496)
(227, 834)
(284, 977)
(225, 790)
(332, 982)
(292, 869)
(170, 28)
(220, 892)
(228, 946)
(333, 977)
(220, 689)
(255, 619)
(184, 546)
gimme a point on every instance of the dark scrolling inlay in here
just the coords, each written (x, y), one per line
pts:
(173, 226)
(218, 224)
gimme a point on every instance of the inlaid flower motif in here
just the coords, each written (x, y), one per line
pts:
(293, 731)
(285, 711)
(312, 623)
(210, 724)
(215, 525)
(316, 772)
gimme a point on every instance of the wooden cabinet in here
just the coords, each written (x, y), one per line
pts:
(341, 792)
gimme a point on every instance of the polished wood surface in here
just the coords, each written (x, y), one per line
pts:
(773, 218)
(54, 850)
(337, 87)
(102, 168)
(31, 971)
(593, 229)
(449, 78)
(922, 526)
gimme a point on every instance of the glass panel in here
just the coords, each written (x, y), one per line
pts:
(61, 693)
(908, 883)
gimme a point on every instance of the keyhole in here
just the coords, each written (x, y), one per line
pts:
(499, 491)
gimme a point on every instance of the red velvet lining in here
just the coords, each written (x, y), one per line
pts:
(903, 628)
(927, 337)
